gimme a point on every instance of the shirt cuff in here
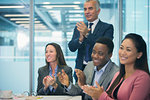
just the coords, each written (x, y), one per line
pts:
(86, 35)
(51, 89)
(80, 42)
(69, 87)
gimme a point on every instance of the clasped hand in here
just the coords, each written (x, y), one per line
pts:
(82, 28)
(48, 80)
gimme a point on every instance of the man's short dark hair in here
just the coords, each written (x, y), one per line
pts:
(108, 42)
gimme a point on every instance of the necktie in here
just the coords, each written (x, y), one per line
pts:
(90, 28)
(87, 45)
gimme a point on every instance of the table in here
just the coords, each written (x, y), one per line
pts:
(49, 98)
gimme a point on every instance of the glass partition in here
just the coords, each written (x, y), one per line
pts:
(136, 19)
(14, 45)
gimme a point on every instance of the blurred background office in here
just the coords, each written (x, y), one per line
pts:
(26, 26)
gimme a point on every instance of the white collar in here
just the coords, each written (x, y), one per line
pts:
(94, 22)
(103, 68)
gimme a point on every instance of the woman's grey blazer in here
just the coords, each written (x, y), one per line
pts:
(44, 71)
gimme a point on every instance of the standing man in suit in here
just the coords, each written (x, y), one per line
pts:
(100, 69)
(85, 34)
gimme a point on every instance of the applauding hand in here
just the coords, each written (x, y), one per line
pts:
(94, 92)
(63, 78)
(82, 28)
(81, 77)
(48, 80)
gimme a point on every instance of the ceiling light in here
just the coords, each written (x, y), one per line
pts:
(26, 22)
(46, 3)
(13, 19)
(12, 7)
(34, 24)
(75, 15)
(17, 15)
(76, 11)
(62, 6)
(37, 26)
(77, 2)
(75, 19)
(77, 8)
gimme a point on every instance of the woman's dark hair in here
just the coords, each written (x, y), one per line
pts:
(59, 56)
(140, 63)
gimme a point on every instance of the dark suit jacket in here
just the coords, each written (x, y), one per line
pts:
(105, 79)
(101, 30)
(44, 71)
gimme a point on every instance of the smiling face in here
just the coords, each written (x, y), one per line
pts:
(50, 54)
(90, 11)
(128, 53)
(100, 55)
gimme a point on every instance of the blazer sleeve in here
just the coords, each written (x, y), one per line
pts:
(40, 89)
(141, 89)
(74, 43)
(75, 90)
(61, 89)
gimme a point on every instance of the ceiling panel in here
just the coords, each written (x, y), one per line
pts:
(54, 15)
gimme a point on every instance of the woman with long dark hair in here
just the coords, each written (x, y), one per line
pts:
(132, 82)
(48, 82)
